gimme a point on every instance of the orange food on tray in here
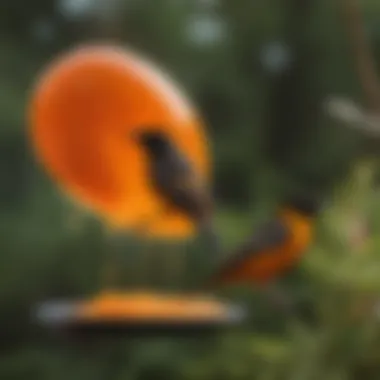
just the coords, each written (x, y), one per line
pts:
(143, 306)
(82, 111)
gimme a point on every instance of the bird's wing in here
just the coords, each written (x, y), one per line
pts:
(186, 177)
(269, 235)
(190, 185)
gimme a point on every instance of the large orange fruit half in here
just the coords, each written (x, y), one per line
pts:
(82, 110)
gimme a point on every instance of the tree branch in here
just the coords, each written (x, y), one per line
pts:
(353, 116)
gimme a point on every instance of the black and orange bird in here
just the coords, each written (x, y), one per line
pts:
(273, 249)
(176, 182)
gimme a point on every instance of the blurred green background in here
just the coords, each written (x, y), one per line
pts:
(259, 71)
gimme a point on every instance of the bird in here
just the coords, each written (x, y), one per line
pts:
(176, 182)
(273, 249)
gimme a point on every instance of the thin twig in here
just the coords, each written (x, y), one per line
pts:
(353, 116)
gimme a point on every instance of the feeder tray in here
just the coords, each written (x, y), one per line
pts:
(139, 314)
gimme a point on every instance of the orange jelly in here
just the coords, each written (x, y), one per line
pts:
(114, 306)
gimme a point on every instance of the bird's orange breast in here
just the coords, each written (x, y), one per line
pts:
(265, 266)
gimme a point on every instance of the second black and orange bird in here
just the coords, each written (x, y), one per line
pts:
(175, 180)
(274, 248)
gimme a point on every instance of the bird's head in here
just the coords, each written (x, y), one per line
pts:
(307, 204)
(153, 142)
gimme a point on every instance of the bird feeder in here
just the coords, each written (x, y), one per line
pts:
(140, 314)
(83, 110)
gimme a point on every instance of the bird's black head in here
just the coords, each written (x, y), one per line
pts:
(305, 203)
(154, 142)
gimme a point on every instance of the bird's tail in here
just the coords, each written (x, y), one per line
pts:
(220, 277)
(221, 274)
